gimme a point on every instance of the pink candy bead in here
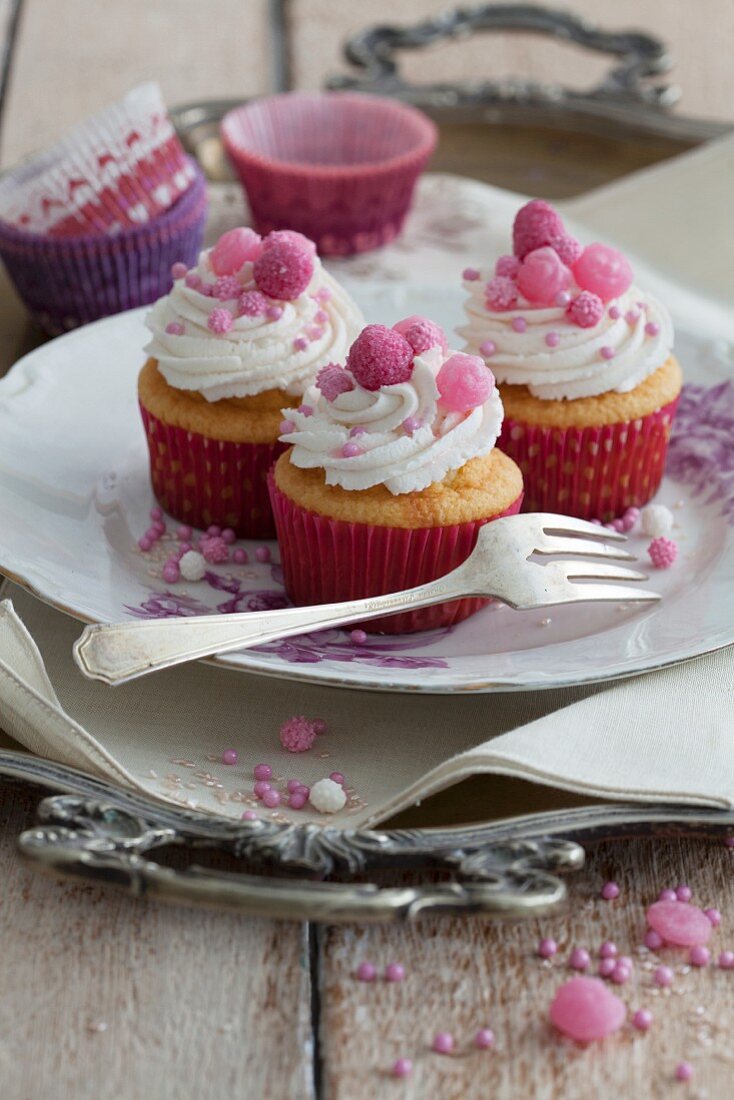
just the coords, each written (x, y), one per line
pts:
(542, 276)
(652, 329)
(610, 891)
(471, 274)
(229, 536)
(192, 280)
(579, 959)
(366, 972)
(411, 424)
(337, 778)
(683, 1071)
(233, 249)
(184, 533)
(178, 271)
(297, 800)
(358, 637)
(293, 785)
(663, 976)
(260, 788)
(642, 1019)
(145, 543)
(603, 271)
(606, 352)
(699, 956)
(488, 348)
(403, 1067)
(608, 950)
(175, 328)
(714, 917)
(351, 450)
(300, 343)
(262, 771)
(614, 313)
(683, 893)
(606, 967)
(547, 948)
(484, 1039)
(171, 572)
(552, 339)
(286, 427)
(464, 382)
(239, 556)
(249, 815)
(274, 313)
(620, 974)
(262, 554)
(229, 756)
(519, 324)
(667, 895)
(319, 726)
(271, 799)
(394, 972)
(443, 1042)
(585, 1009)
(726, 960)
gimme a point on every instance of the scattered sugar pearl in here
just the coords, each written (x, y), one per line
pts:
(662, 552)
(394, 972)
(562, 299)
(351, 450)
(262, 771)
(632, 316)
(714, 916)
(547, 948)
(579, 959)
(683, 1071)
(552, 339)
(214, 530)
(192, 280)
(286, 427)
(657, 521)
(175, 328)
(411, 424)
(608, 950)
(699, 956)
(610, 891)
(240, 556)
(519, 324)
(667, 895)
(249, 815)
(614, 313)
(192, 565)
(297, 800)
(271, 799)
(293, 785)
(585, 1009)
(683, 893)
(145, 543)
(274, 313)
(300, 343)
(366, 972)
(337, 777)
(663, 976)
(355, 433)
(606, 967)
(297, 734)
(443, 1042)
(328, 797)
(471, 274)
(606, 352)
(651, 329)
(682, 924)
(179, 271)
(262, 554)
(229, 536)
(229, 756)
(358, 637)
(726, 960)
(403, 1067)
(185, 533)
(488, 348)
(620, 974)
(171, 571)
(260, 788)
(484, 1039)
(642, 1019)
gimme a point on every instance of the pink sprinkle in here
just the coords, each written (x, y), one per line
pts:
(354, 433)
(323, 295)
(220, 321)
(585, 1009)
(192, 280)
(262, 554)
(411, 424)
(678, 923)
(319, 726)
(470, 274)
(351, 450)
(662, 552)
(699, 956)
(642, 1019)
(606, 352)
(620, 974)
(171, 572)
(488, 348)
(726, 960)
(175, 328)
(297, 800)
(606, 967)
(608, 950)
(229, 756)
(229, 536)
(394, 972)
(333, 381)
(484, 1039)
(274, 313)
(402, 1068)
(145, 543)
(632, 316)
(552, 339)
(501, 293)
(443, 1042)
(667, 895)
(610, 891)
(260, 788)
(300, 343)
(184, 533)
(227, 288)
(663, 976)
(366, 972)
(547, 948)
(652, 329)
(579, 959)
(286, 427)
(321, 316)
(179, 271)
(358, 637)
(214, 549)
(249, 815)
(614, 313)
(683, 893)
(271, 799)
(683, 1071)
(240, 556)
(297, 734)
(653, 940)
(714, 915)
(262, 771)
(519, 324)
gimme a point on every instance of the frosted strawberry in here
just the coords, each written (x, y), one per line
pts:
(501, 293)
(464, 382)
(422, 334)
(536, 225)
(284, 270)
(292, 237)
(333, 380)
(586, 310)
(604, 271)
(568, 249)
(542, 276)
(233, 249)
(380, 356)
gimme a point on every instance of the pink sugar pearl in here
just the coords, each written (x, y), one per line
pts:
(547, 948)
(488, 348)
(358, 637)
(585, 1009)
(263, 554)
(337, 777)
(663, 976)
(394, 972)
(642, 1019)
(536, 224)
(260, 787)
(271, 799)
(500, 294)
(380, 356)
(403, 1067)
(297, 734)
(699, 956)
(293, 785)
(579, 959)
(422, 334)
(262, 771)
(411, 424)
(333, 381)
(184, 533)
(229, 756)
(614, 313)
(284, 270)
(351, 450)
(274, 312)
(300, 343)
(471, 274)
(229, 536)
(603, 271)
(651, 329)
(443, 1042)
(484, 1039)
(175, 328)
(667, 895)
(286, 427)
(240, 556)
(145, 543)
(233, 249)
(609, 891)
(220, 321)
(653, 940)
(519, 324)
(297, 800)
(662, 552)
(179, 271)
(608, 950)
(726, 960)
(464, 382)
(679, 923)
(507, 266)
(606, 967)
(192, 280)
(607, 352)
(366, 972)
(542, 276)
(249, 815)
(552, 339)
(252, 303)
(683, 1071)
(620, 974)
(683, 893)
(714, 916)
(586, 310)
(171, 572)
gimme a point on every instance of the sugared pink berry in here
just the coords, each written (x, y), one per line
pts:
(214, 549)
(422, 334)
(567, 248)
(233, 249)
(542, 276)
(333, 380)
(252, 303)
(507, 266)
(501, 293)
(226, 288)
(586, 309)
(536, 224)
(604, 271)
(219, 321)
(380, 356)
(464, 382)
(662, 552)
(297, 734)
(289, 236)
(284, 270)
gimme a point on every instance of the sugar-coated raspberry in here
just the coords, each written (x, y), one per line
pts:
(219, 321)
(662, 552)
(291, 237)
(586, 310)
(252, 303)
(297, 734)
(226, 288)
(233, 249)
(567, 248)
(215, 549)
(536, 224)
(542, 276)
(464, 382)
(333, 380)
(501, 293)
(507, 266)
(380, 356)
(422, 334)
(327, 797)
(284, 270)
(604, 271)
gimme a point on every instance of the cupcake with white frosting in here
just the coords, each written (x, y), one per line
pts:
(585, 364)
(392, 470)
(240, 336)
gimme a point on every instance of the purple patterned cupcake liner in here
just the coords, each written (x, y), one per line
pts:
(67, 282)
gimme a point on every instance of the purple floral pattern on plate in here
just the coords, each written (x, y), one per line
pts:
(701, 450)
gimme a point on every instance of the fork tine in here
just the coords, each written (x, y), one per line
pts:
(581, 570)
(566, 525)
(616, 593)
(554, 544)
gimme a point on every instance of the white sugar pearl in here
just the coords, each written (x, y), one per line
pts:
(657, 520)
(192, 565)
(327, 797)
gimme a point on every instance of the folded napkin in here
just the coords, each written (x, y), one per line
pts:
(164, 735)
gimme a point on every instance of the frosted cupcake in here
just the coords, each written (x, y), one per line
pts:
(585, 365)
(392, 471)
(241, 335)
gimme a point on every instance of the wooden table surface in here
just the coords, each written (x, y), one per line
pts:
(107, 998)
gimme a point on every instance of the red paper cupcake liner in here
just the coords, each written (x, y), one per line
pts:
(326, 560)
(339, 167)
(201, 481)
(591, 473)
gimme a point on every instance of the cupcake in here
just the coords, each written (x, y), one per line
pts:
(392, 470)
(584, 362)
(240, 336)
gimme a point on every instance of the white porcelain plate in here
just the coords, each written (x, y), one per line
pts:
(74, 498)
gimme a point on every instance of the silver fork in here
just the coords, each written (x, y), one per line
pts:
(500, 566)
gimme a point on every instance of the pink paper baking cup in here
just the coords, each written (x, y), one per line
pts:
(201, 481)
(68, 281)
(591, 473)
(337, 166)
(326, 560)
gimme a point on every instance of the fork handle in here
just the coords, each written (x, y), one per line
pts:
(118, 652)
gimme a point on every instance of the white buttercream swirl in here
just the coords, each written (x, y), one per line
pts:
(257, 353)
(389, 455)
(575, 367)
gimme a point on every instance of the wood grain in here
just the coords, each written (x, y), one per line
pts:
(103, 997)
(463, 975)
